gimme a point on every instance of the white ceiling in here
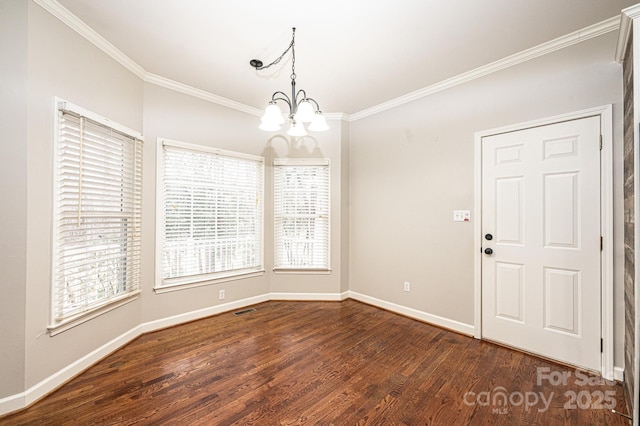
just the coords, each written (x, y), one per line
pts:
(350, 54)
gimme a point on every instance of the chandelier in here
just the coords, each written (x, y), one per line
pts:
(302, 109)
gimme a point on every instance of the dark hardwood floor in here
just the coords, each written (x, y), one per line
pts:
(341, 363)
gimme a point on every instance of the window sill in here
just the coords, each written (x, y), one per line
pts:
(302, 271)
(69, 323)
(183, 284)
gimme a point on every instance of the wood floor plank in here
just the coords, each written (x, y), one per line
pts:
(327, 363)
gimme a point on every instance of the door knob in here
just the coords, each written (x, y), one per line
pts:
(488, 251)
(488, 237)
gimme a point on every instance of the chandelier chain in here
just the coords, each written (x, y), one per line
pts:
(279, 58)
(302, 109)
(293, 55)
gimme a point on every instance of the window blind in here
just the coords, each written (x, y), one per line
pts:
(212, 213)
(301, 212)
(97, 214)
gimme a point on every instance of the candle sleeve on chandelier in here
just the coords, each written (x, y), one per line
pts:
(296, 129)
(272, 115)
(319, 123)
(305, 112)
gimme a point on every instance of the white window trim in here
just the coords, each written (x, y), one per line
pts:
(58, 326)
(182, 283)
(202, 280)
(319, 271)
(78, 319)
(305, 162)
(62, 104)
(301, 162)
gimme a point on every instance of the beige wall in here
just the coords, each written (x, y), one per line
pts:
(13, 184)
(319, 145)
(63, 64)
(413, 165)
(344, 207)
(172, 115)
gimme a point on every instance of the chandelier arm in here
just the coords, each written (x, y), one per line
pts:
(304, 95)
(314, 101)
(283, 97)
(257, 64)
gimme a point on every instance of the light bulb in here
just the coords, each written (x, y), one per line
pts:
(296, 129)
(272, 114)
(319, 124)
(305, 112)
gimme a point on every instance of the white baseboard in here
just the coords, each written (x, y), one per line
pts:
(416, 314)
(37, 391)
(201, 313)
(618, 374)
(13, 403)
(41, 389)
(310, 296)
(24, 399)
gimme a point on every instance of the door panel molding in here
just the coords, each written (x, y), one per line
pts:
(605, 113)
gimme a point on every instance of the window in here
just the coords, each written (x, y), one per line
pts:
(301, 206)
(97, 206)
(211, 214)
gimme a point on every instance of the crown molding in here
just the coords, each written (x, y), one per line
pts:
(208, 96)
(201, 94)
(341, 116)
(623, 22)
(76, 24)
(626, 20)
(606, 26)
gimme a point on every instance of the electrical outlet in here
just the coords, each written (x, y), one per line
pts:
(221, 295)
(462, 216)
(407, 286)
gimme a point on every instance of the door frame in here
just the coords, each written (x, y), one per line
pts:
(606, 221)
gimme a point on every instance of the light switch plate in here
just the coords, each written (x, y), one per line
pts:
(462, 216)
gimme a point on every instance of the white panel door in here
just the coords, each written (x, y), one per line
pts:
(541, 241)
